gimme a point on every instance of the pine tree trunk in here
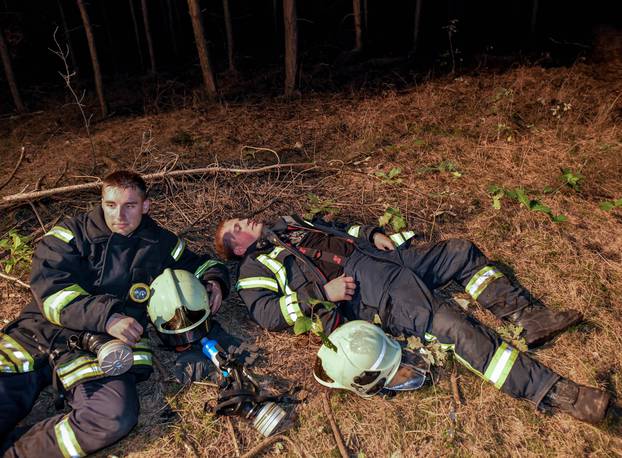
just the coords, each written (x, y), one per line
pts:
(417, 25)
(199, 38)
(72, 55)
(94, 60)
(291, 46)
(10, 77)
(148, 35)
(171, 26)
(358, 25)
(137, 34)
(229, 28)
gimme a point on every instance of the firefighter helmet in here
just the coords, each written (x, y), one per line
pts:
(179, 307)
(365, 360)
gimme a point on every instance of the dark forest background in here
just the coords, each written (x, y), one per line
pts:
(483, 34)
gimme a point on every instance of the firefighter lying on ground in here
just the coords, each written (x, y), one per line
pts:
(285, 265)
(90, 277)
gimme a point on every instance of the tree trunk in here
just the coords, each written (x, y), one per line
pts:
(534, 18)
(137, 34)
(10, 77)
(291, 46)
(171, 26)
(72, 55)
(358, 25)
(365, 16)
(275, 16)
(148, 35)
(417, 25)
(199, 38)
(229, 28)
(94, 60)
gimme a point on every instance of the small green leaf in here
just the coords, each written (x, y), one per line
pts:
(328, 305)
(536, 206)
(522, 197)
(398, 223)
(607, 205)
(394, 172)
(326, 341)
(414, 343)
(377, 319)
(303, 324)
(558, 218)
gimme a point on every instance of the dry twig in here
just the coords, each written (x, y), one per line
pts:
(333, 425)
(268, 442)
(21, 197)
(15, 280)
(232, 434)
(19, 161)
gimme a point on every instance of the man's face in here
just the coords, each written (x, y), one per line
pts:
(243, 233)
(123, 209)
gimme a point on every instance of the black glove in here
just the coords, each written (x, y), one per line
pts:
(193, 366)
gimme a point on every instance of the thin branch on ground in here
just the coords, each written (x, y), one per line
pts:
(270, 441)
(14, 280)
(232, 434)
(333, 425)
(19, 161)
(21, 197)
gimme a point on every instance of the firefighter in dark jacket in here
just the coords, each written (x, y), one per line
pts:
(89, 274)
(367, 273)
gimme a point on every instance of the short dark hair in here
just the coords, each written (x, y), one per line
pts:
(125, 179)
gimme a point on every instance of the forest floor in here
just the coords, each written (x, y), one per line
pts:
(458, 148)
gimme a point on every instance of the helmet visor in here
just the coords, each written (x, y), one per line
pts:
(320, 373)
(183, 318)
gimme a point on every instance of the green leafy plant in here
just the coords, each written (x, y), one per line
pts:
(16, 251)
(572, 179)
(443, 166)
(609, 205)
(520, 195)
(313, 324)
(511, 334)
(319, 205)
(392, 216)
(391, 177)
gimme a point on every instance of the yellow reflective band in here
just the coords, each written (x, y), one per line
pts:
(21, 359)
(66, 439)
(354, 230)
(143, 358)
(257, 282)
(61, 233)
(143, 344)
(205, 266)
(501, 365)
(478, 283)
(69, 366)
(84, 372)
(275, 252)
(6, 366)
(178, 250)
(53, 305)
(290, 308)
(276, 268)
(397, 239)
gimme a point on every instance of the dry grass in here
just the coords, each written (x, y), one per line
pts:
(496, 129)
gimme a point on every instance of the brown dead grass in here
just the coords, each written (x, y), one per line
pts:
(496, 129)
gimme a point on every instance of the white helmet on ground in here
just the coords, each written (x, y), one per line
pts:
(365, 361)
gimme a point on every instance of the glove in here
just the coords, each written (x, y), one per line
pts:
(193, 366)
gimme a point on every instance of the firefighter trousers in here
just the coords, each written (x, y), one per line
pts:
(103, 411)
(409, 308)
(462, 261)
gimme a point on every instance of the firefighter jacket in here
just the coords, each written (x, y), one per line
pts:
(82, 274)
(279, 284)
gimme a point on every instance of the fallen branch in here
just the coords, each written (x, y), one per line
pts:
(268, 442)
(19, 161)
(232, 434)
(15, 280)
(333, 425)
(21, 197)
(455, 390)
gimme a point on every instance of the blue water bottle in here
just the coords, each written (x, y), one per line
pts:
(212, 351)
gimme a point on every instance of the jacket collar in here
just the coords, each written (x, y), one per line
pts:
(97, 230)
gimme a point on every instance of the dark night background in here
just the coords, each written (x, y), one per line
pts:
(491, 35)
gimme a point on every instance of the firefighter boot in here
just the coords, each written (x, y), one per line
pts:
(540, 324)
(582, 402)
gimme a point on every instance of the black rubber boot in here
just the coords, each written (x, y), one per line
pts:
(541, 324)
(582, 402)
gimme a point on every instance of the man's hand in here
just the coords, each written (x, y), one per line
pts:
(213, 288)
(341, 288)
(124, 328)
(383, 242)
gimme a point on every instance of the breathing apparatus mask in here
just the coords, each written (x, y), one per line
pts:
(240, 393)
